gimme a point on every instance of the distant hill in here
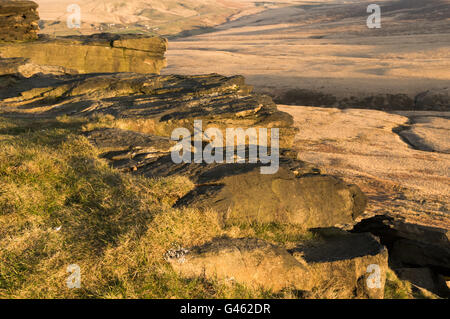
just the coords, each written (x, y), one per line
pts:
(166, 17)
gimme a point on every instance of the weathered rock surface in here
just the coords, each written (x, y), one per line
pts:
(338, 265)
(249, 261)
(405, 185)
(126, 148)
(241, 193)
(99, 53)
(152, 104)
(22, 67)
(296, 194)
(18, 21)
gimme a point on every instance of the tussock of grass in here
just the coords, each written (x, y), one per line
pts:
(400, 289)
(61, 205)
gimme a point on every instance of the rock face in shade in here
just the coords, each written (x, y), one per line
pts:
(18, 21)
(99, 53)
(411, 244)
(345, 265)
(434, 100)
(335, 265)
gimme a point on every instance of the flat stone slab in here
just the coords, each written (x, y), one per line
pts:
(99, 53)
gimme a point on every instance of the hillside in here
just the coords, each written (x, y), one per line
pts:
(166, 17)
(323, 53)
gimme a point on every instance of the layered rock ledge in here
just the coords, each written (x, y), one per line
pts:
(99, 53)
(18, 21)
(149, 103)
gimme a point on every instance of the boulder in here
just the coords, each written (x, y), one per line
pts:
(102, 53)
(248, 261)
(340, 265)
(240, 193)
(18, 21)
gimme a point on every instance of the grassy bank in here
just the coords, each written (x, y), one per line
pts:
(61, 205)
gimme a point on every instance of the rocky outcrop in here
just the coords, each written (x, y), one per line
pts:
(100, 53)
(297, 193)
(153, 104)
(335, 265)
(434, 100)
(143, 111)
(18, 21)
(156, 105)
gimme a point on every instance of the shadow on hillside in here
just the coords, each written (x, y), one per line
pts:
(325, 13)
